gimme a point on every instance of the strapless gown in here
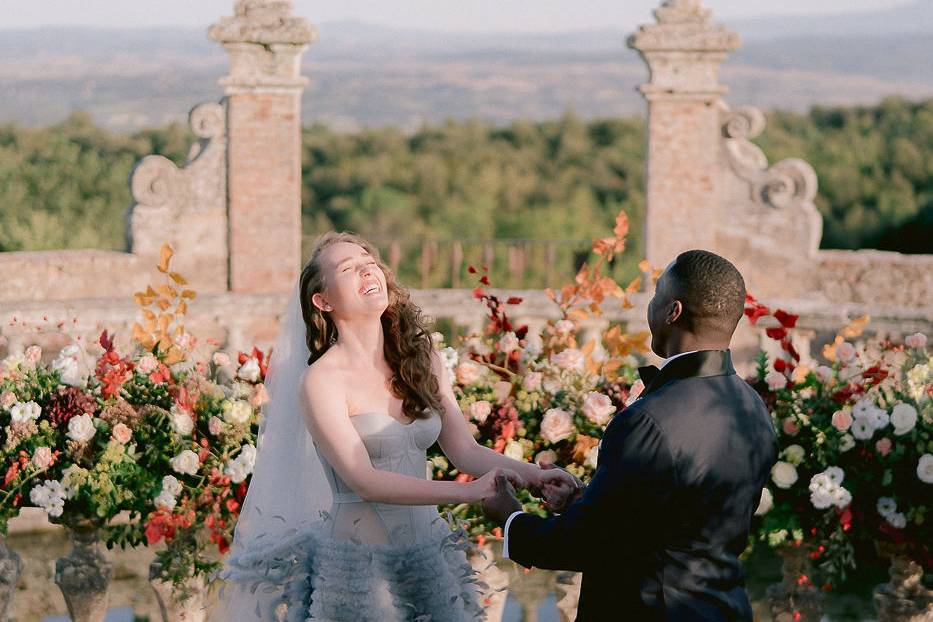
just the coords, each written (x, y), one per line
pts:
(372, 562)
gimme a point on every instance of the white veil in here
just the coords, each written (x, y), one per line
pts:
(288, 489)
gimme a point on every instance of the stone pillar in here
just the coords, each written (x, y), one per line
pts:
(683, 52)
(265, 43)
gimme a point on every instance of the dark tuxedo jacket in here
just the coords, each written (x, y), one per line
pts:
(658, 531)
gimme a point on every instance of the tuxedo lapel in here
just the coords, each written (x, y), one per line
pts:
(700, 364)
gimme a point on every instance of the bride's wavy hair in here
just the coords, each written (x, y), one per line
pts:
(408, 346)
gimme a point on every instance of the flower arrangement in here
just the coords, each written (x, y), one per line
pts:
(548, 397)
(158, 435)
(855, 436)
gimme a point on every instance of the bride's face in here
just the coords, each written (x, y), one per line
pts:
(354, 285)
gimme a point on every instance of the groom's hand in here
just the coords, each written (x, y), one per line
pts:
(559, 488)
(503, 504)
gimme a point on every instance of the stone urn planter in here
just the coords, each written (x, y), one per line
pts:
(186, 604)
(494, 581)
(904, 598)
(10, 568)
(84, 575)
(795, 598)
(567, 585)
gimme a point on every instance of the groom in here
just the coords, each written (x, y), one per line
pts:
(658, 531)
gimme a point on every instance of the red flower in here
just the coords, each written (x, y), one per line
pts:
(776, 333)
(478, 293)
(471, 270)
(484, 280)
(514, 300)
(232, 505)
(780, 365)
(11, 474)
(786, 319)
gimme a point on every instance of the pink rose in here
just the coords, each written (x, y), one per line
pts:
(33, 355)
(468, 372)
(148, 364)
(7, 399)
(508, 342)
(776, 380)
(480, 410)
(531, 382)
(502, 390)
(220, 359)
(845, 352)
(42, 458)
(215, 426)
(883, 446)
(571, 358)
(790, 426)
(842, 420)
(563, 327)
(598, 407)
(556, 425)
(122, 434)
(918, 341)
(260, 396)
(824, 373)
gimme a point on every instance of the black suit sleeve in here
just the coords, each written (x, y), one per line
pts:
(630, 490)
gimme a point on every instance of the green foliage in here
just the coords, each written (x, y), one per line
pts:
(65, 186)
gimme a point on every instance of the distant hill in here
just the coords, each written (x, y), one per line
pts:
(365, 75)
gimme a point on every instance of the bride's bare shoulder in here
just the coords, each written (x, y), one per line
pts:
(324, 373)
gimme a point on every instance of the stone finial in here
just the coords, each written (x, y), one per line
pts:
(680, 11)
(265, 42)
(683, 51)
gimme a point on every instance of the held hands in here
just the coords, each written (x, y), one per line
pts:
(557, 487)
(485, 487)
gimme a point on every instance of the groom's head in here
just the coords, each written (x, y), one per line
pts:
(697, 304)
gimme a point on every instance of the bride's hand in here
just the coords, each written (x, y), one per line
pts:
(485, 487)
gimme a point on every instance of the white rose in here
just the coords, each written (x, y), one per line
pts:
(925, 468)
(249, 370)
(548, 456)
(532, 381)
(897, 520)
(862, 429)
(879, 419)
(449, 357)
(821, 499)
(33, 356)
(468, 372)
(551, 384)
(186, 462)
(533, 346)
(784, 474)
(835, 475)
(841, 497)
(776, 380)
(823, 373)
(171, 485)
(917, 341)
(514, 450)
(794, 454)
(845, 352)
(237, 412)
(863, 408)
(765, 503)
(480, 410)
(148, 364)
(846, 442)
(556, 425)
(165, 500)
(477, 346)
(42, 457)
(182, 422)
(508, 342)
(571, 358)
(886, 506)
(904, 418)
(598, 408)
(21, 412)
(592, 456)
(66, 364)
(81, 428)
(241, 466)
(563, 327)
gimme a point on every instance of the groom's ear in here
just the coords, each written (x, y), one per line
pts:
(674, 312)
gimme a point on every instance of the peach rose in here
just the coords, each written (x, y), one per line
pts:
(883, 446)
(845, 352)
(480, 410)
(917, 341)
(548, 456)
(842, 420)
(42, 458)
(122, 433)
(502, 390)
(790, 426)
(571, 358)
(259, 396)
(531, 382)
(7, 400)
(598, 408)
(556, 425)
(33, 355)
(220, 359)
(468, 372)
(635, 391)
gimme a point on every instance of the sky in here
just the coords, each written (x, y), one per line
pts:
(444, 15)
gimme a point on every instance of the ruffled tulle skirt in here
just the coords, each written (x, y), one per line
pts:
(308, 574)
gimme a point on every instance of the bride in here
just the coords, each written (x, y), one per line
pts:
(340, 521)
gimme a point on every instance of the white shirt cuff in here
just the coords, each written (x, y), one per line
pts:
(505, 535)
